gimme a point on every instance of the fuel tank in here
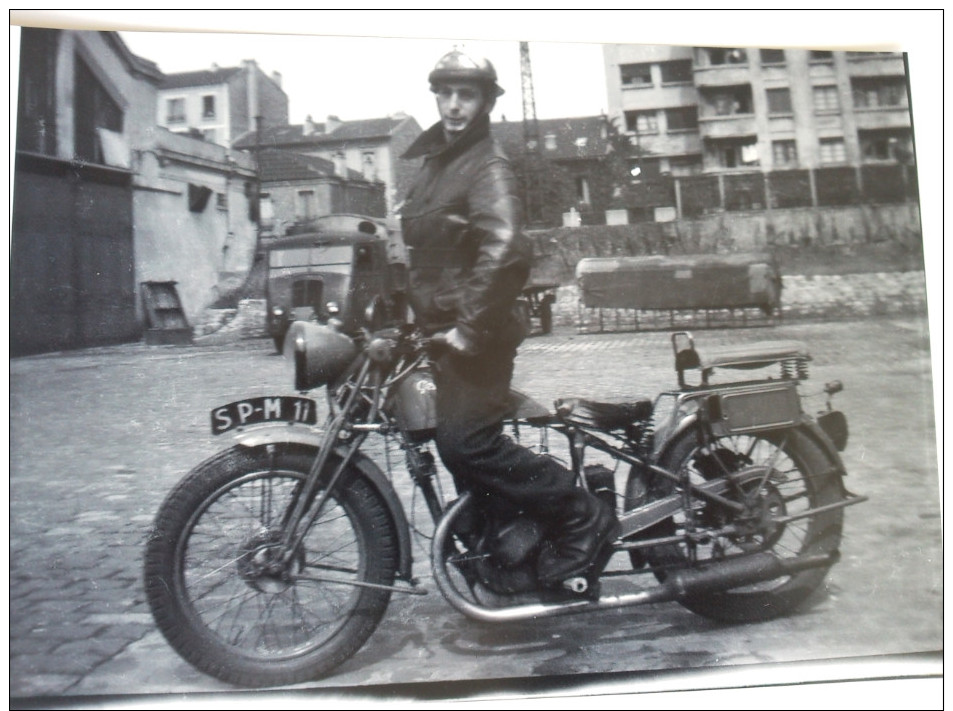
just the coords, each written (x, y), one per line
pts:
(415, 405)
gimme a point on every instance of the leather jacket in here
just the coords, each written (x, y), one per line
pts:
(461, 221)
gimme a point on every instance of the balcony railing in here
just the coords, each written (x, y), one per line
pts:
(729, 126)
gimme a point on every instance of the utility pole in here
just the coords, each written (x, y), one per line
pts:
(533, 192)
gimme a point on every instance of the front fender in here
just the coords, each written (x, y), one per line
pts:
(311, 439)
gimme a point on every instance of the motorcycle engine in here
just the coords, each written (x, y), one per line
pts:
(507, 552)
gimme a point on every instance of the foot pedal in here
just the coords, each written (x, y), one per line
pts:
(577, 585)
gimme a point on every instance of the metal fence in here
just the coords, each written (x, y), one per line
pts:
(694, 196)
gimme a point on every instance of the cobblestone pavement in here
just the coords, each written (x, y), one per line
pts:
(99, 436)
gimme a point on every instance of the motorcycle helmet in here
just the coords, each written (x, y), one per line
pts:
(458, 66)
(318, 352)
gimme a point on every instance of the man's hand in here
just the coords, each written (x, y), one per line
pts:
(459, 343)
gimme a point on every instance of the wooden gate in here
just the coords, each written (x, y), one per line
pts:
(72, 269)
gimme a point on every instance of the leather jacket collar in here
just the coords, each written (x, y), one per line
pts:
(433, 142)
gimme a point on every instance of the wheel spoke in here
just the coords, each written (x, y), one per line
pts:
(232, 551)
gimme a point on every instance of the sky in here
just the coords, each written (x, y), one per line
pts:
(360, 77)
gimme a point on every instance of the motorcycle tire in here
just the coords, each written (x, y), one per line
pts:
(804, 478)
(229, 616)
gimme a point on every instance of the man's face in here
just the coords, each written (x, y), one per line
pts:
(458, 103)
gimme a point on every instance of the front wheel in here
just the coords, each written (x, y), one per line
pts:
(777, 475)
(226, 600)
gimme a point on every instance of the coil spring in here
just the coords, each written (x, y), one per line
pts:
(801, 369)
(647, 435)
(786, 370)
(794, 368)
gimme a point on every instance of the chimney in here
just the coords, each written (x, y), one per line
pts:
(251, 75)
(332, 124)
(276, 77)
(310, 127)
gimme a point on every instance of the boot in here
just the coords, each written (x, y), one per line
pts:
(585, 526)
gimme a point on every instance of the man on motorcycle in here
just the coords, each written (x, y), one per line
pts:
(468, 264)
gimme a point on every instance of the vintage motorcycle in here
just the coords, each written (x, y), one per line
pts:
(272, 562)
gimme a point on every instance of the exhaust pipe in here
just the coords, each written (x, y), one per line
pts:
(737, 572)
(679, 585)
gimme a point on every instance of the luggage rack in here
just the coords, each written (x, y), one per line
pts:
(602, 319)
(791, 357)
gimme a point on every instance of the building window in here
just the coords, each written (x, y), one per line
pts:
(676, 72)
(305, 208)
(882, 145)
(865, 55)
(875, 149)
(36, 108)
(582, 190)
(826, 99)
(784, 154)
(726, 55)
(779, 101)
(581, 141)
(832, 150)
(94, 109)
(731, 101)
(175, 111)
(221, 201)
(737, 154)
(266, 210)
(636, 74)
(822, 56)
(641, 121)
(878, 93)
(369, 165)
(549, 140)
(772, 56)
(208, 107)
(684, 118)
(685, 166)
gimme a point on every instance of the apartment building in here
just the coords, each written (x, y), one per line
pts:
(721, 109)
(221, 103)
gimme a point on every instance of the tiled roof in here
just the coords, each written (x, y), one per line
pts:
(202, 77)
(576, 138)
(287, 165)
(287, 136)
(276, 164)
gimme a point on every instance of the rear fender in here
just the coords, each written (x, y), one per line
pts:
(806, 427)
(311, 439)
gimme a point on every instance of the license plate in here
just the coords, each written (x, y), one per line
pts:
(259, 410)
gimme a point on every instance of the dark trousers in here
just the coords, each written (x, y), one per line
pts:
(472, 400)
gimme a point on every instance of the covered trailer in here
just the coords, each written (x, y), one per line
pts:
(677, 284)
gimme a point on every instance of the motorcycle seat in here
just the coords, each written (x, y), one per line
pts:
(604, 415)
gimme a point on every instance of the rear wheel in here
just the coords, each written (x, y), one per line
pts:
(226, 600)
(777, 475)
